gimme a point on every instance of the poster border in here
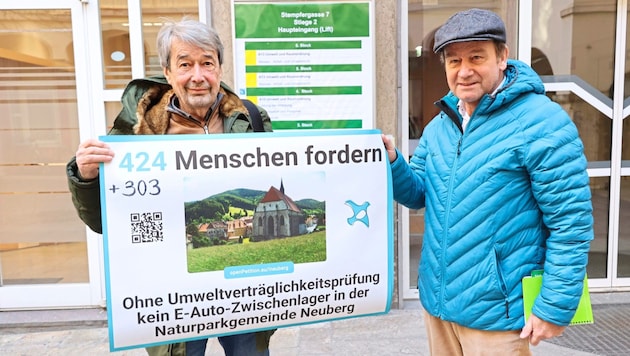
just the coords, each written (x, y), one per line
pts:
(266, 135)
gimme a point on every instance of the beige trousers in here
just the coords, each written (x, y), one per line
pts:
(450, 339)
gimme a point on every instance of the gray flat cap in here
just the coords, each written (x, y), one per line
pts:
(470, 25)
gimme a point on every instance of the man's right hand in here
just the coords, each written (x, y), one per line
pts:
(537, 330)
(89, 155)
(389, 147)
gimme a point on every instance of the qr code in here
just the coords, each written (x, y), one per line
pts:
(146, 227)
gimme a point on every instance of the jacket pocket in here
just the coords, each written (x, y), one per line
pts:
(501, 282)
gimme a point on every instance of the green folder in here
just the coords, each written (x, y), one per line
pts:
(531, 289)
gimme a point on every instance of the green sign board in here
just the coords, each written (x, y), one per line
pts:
(310, 65)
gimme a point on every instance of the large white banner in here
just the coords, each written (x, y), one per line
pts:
(210, 235)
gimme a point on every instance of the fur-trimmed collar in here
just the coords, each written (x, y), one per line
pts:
(153, 117)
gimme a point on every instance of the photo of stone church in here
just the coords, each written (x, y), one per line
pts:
(277, 215)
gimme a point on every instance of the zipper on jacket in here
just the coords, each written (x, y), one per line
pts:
(452, 114)
(502, 284)
(446, 224)
(207, 119)
(173, 107)
(507, 310)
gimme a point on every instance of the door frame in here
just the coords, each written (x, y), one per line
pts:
(87, 56)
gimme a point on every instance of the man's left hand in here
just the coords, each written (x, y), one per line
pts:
(537, 330)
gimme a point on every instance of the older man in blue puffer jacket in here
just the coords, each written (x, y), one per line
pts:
(502, 175)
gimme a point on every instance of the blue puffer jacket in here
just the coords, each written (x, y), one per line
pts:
(508, 196)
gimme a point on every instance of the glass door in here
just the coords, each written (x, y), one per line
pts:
(426, 84)
(47, 259)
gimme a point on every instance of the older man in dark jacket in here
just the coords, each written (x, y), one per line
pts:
(189, 99)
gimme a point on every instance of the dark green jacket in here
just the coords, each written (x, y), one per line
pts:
(147, 99)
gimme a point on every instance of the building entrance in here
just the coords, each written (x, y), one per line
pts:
(44, 253)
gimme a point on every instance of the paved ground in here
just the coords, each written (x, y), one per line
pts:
(400, 332)
(608, 335)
